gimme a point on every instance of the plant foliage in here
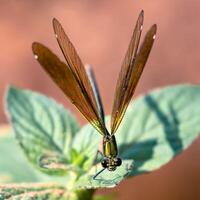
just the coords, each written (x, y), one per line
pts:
(156, 128)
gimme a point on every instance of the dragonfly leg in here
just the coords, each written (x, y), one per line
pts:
(97, 174)
(96, 157)
(96, 161)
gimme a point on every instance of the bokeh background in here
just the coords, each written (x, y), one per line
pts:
(100, 31)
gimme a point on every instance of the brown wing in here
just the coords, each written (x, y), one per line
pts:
(75, 64)
(131, 71)
(65, 79)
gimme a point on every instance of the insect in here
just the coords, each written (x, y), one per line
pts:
(79, 84)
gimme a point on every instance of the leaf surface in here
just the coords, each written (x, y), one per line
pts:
(159, 126)
(32, 191)
(13, 165)
(41, 126)
(105, 178)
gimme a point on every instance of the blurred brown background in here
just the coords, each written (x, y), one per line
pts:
(101, 30)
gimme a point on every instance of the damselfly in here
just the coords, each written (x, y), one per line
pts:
(79, 84)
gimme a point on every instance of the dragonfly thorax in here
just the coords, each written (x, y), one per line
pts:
(110, 152)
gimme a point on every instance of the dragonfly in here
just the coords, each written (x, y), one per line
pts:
(79, 83)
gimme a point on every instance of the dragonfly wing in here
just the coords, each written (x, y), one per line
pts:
(65, 79)
(131, 71)
(125, 72)
(75, 64)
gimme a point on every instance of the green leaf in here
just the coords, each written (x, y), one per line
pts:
(43, 191)
(40, 125)
(86, 143)
(156, 128)
(13, 165)
(53, 163)
(32, 191)
(160, 125)
(107, 197)
(105, 178)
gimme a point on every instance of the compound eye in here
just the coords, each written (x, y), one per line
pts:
(104, 163)
(118, 162)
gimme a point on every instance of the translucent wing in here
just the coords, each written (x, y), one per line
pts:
(75, 64)
(65, 79)
(131, 71)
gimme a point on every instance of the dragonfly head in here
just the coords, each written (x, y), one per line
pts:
(111, 164)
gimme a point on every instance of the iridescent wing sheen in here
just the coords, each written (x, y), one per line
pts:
(131, 71)
(64, 77)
